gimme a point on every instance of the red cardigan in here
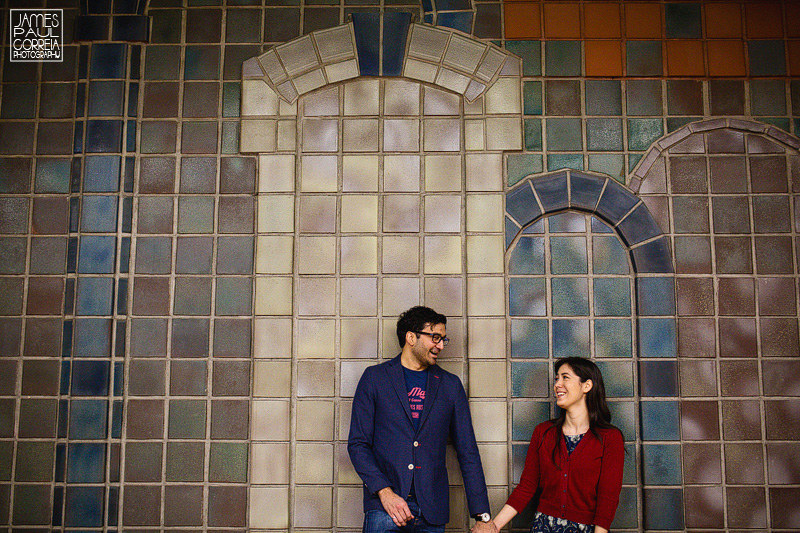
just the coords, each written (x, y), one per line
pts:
(585, 489)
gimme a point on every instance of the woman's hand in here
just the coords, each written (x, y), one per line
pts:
(504, 516)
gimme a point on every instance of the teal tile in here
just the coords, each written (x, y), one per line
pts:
(633, 160)
(532, 97)
(613, 338)
(187, 419)
(230, 138)
(228, 462)
(559, 161)
(603, 97)
(52, 175)
(664, 509)
(525, 416)
(530, 379)
(661, 464)
(617, 378)
(609, 164)
(234, 296)
(564, 134)
(568, 255)
(604, 134)
(644, 58)
(780, 122)
(683, 21)
(531, 54)
(570, 296)
(195, 214)
(627, 516)
(623, 415)
(642, 132)
(767, 58)
(231, 97)
(527, 257)
(562, 58)
(529, 338)
(643, 97)
(612, 297)
(676, 123)
(522, 165)
(533, 134)
(570, 337)
(660, 420)
(526, 297)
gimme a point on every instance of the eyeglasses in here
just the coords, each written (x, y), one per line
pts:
(435, 337)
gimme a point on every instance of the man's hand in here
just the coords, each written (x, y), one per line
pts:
(395, 506)
(484, 527)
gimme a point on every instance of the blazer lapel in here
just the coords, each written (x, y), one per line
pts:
(431, 390)
(398, 381)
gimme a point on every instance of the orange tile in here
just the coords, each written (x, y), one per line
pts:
(726, 58)
(562, 20)
(764, 20)
(602, 20)
(685, 58)
(643, 21)
(522, 20)
(603, 58)
(723, 21)
(793, 19)
(794, 58)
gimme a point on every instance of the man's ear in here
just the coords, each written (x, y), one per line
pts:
(411, 338)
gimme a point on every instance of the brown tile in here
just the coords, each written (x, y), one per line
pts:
(146, 377)
(11, 335)
(737, 337)
(188, 378)
(693, 255)
(231, 378)
(731, 214)
(774, 254)
(236, 214)
(157, 175)
(741, 420)
(747, 507)
(148, 337)
(737, 296)
(696, 337)
(744, 463)
(199, 138)
(9, 374)
(143, 461)
(781, 499)
(704, 507)
(227, 506)
(237, 175)
(183, 505)
(771, 214)
(768, 174)
(142, 505)
(777, 296)
(739, 378)
(45, 296)
(155, 214)
(145, 419)
(40, 377)
(37, 418)
(781, 378)
(232, 337)
(725, 141)
(782, 419)
(201, 100)
(190, 337)
(688, 174)
(690, 214)
(695, 296)
(204, 26)
(150, 296)
(50, 215)
(54, 138)
(728, 174)
(684, 97)
(702, 463)
(160, 100)
(733, 255)
(779, 337)
(699, 420)
(42, 337)
(783, 463)
(562, 97)
(230, 419)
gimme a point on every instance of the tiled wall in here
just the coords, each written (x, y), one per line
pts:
(200, 253)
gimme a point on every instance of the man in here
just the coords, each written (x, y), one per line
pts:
(403, 412)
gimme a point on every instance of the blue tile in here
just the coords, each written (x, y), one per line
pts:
(522, 165)
(531, 54)
(767, 58)
(598, 226)
(657, 337)
(108, 60)
(658, 378)
(527, 257)
(461, 21)
(570, 296)
(366, 27)
(529, 338)
(613, 338)
(655, 296)
(570, 338)
(560, 161)
(552, 191)
(127, 214)
(80, 100)
(90, 378)
(511, 231)
(568, 255)
(102, 173)
(562, 58)
(106, 98)
(130, 136)
(99, 214)
(627, 516)
(617, 378)
(116, 419)
(525, 416)
(86, 462)
(609, 256)
(653, 257)
(66, 338)
(122, 296)
(537, 228)
(92, 337)
(639, 226)
(526, 297)
(84, 507)
(661, 464)
(133, 100)
(521, 204)
(88, 419)
(612, 297)
(104, 136)
(530, 379)
(77, 140)
(663, 509)
(683, 21)
(615, 202)
(395, 33)
(585, 190)
(65, 379)
(660, 420)
(95, 296)
(52, 175)
(61, 463)
(119, 379)
(97, 254)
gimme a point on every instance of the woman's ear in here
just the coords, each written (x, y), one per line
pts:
(587, 385)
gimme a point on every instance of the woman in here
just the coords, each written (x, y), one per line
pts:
(576, 458)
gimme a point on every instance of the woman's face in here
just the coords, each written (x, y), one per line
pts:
(569, 389)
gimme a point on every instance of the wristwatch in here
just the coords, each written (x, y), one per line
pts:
(482, 517)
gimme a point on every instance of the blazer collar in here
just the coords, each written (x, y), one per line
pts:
(398, 380)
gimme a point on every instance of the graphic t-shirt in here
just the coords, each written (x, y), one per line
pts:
(416, 381)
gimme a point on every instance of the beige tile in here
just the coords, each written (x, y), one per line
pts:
(270, 420)
(389, 344)
(272, 379)
(442, 173)
(401, 213)
(316, 296)
(359, 338)
(419, 70)
(316, 255)
(400, 255)
(358, 297)
(274, 254)
(351, 371)
(319, 173)
(287, 109)
(485, 254)
(443, 254)
(490, 420)
(276, 173)
(456, 333)
(475, 107)
(474, 137)
(486, 296)
(503, 97)
(270, 463)
(439, 102)
(401, 135)
(454, 366)
(459, 510)
(359, 255)
(401, 173)
(442, 213)
(487, 338)
(345, 408)
(442, 135)
(287, 135)
(349, 507)
(258, 135)
(487, 379)
(484, 172)
(497, 497)
(360, 135)
(313, 506)
(445, 294)
(269, 507)
(313, 463)
(503, 133)
(258, 98)
(316, 338)
(485, 213)
(495, 463)
(315, 378)
(399, 294)
(362, 97)
(360, 173)
(317, 214)
(324, 102)
(359, 213)
(453, 469)
(273, 296)
(401, 97)
(275, 214)
(315, 420)
(272, 338)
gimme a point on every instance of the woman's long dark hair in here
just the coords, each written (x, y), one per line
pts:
(599, 414)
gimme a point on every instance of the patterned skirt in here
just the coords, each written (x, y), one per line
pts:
(543, 523)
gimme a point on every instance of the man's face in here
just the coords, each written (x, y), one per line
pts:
(424, 350)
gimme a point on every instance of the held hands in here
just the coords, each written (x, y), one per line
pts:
(485, 527)
(395, 506)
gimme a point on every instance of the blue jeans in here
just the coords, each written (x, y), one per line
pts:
(379, 521)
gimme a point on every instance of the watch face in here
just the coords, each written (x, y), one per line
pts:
(485, 517)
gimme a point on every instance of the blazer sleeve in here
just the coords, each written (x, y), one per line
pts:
(610, 483)
(529, 480)
(362, 433)
(469, 458)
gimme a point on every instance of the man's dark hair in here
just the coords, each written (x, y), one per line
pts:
(415, 319)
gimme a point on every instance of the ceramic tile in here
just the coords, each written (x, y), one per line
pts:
(401, 173)
(360, 135)
(318, 173)
(273, 296)
(503, 134)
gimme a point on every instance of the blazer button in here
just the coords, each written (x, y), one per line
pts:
(411, 467)
(416, 444)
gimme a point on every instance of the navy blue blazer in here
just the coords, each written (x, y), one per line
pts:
(387, 452)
